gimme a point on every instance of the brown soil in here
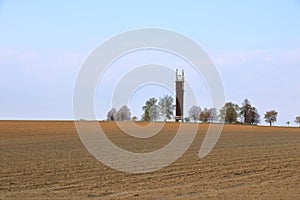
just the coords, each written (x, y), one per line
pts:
(46, 160)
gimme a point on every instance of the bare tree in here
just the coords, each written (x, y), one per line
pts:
(271, 117)
(111, 115)
(194, 113)
(297, 120)
(123, 114)
(213, 114)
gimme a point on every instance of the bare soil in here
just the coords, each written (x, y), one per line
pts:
(46, 160)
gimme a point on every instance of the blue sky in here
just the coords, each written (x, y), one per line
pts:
(255, 46)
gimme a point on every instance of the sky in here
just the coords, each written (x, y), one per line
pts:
(255, 46)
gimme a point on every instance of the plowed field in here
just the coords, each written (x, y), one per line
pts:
(46, 160)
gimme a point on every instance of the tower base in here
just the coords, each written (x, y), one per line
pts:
(179, 119)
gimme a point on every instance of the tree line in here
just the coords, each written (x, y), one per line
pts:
(163, 109)
(153, 110)
(229, 113)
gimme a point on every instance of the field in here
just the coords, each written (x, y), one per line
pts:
(46, 160)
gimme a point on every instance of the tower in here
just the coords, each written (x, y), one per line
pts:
(179, 84)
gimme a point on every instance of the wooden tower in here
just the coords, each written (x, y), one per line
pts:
(179, 82)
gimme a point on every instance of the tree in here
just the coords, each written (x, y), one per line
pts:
(204, 115)
(134, 118)
(166, 107)
(271, 117)
(194, 113)
(187, 119)
(154, 113)
(298, 120)
(213, 114)
(149, 107)
(245, 111)
(288, 123)
(123, 114)
(229, 112)
(111, 115)
(249, 114)
(253, 116)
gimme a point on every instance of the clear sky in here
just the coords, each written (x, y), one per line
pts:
(254, 44)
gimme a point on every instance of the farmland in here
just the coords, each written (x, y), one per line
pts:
(46, 160)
